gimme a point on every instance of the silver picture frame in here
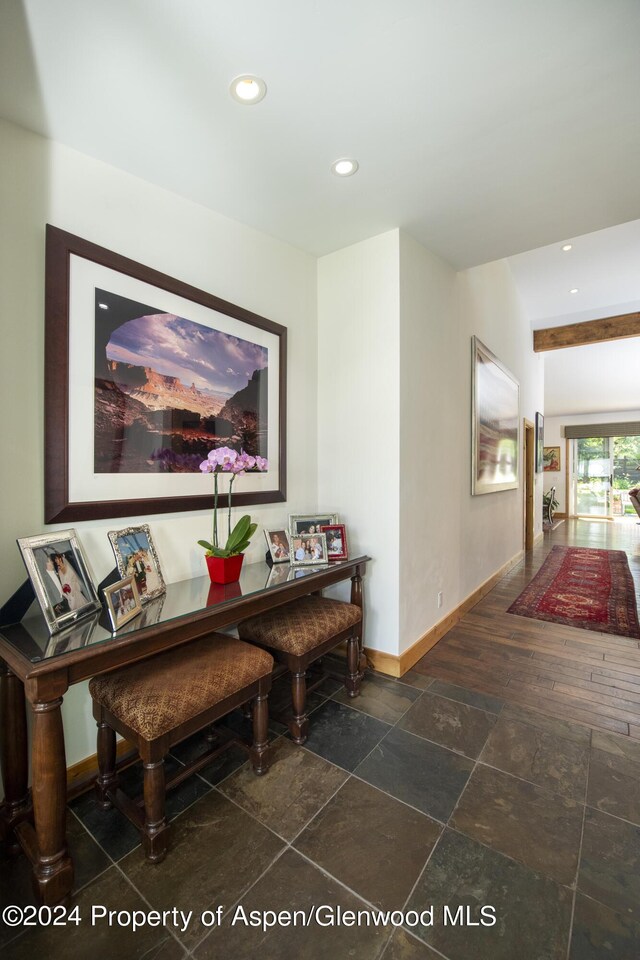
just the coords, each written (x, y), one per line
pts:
(309, 550)
(136, 556)
(300, 524)
(278, 545)
(61, 577)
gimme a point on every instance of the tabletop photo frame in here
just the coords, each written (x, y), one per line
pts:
(61, 577)
(136, 556)
(123, 601)
(309, 550)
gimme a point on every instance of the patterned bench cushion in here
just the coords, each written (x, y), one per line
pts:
(301, 625)
(156, 695)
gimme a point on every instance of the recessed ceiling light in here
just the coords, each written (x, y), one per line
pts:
(345, 167)
(567, 246)
(248, 89)
(573, 290)
(103, 306)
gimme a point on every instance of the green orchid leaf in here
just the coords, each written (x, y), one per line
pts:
(239, 532)
(208, 546)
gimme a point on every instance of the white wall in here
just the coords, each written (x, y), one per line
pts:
(451, 541)
(399, 311)
(435, 464)
(489, 307)
(358, 415)
(554, 436)
(42, 182)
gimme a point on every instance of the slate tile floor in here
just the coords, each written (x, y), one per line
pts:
(421, 793)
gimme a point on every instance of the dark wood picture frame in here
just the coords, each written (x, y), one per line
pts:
(60, 247)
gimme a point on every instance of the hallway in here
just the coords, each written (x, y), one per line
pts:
(573, 674)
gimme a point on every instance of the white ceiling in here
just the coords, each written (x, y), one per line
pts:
(599, 378)
(483, 128)
(605, 267)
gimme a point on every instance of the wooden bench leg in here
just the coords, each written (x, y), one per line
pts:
(107, 778)
(154, 837)
(354, 676)
(260, 753)
(299, 724)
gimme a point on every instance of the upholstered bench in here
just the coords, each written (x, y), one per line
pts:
(158, 702)
(299, 633)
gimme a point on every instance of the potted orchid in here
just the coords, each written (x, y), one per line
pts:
(225, 562)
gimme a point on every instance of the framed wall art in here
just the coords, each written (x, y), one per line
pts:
(136, 557)
(539, 442)
(60, 576)
(144, 375)
(551, 459)
(495, 425)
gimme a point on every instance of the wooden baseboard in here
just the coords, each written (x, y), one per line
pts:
(80, 775)
(395, 666)
(538, 537)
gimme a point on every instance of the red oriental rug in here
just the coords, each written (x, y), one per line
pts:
(591, 589)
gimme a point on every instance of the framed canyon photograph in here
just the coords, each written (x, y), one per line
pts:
(144, 375)
(495, 426)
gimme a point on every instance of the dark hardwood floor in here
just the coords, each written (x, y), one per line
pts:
(580, 675)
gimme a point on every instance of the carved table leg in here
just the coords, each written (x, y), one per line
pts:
(155, 822)
(354, 676)
(107, 777)
(53, 871)
(260, 746)
(357, 598)
(299, 725)
(13, 756)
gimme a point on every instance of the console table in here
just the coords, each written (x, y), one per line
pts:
(40, 668)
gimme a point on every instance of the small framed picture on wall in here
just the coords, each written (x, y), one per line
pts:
(551, 459)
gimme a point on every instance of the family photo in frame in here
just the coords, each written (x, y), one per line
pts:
(278, 545)
(60, 576)
(136, 557)
(309, 549)
(336, 535)
(123, 601)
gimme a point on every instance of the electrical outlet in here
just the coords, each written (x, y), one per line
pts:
(439, 598)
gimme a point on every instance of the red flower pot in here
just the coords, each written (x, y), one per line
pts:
(224, 569)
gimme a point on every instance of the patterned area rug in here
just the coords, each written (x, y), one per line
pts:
(592, 589)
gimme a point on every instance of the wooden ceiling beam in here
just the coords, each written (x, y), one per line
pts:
(590, 331)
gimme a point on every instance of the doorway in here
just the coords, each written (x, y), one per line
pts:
(529, 483)
(604, 470)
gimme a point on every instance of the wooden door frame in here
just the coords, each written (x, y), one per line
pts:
(529, 485)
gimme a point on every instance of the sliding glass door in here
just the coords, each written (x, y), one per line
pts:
(593, 476)
(604, 470)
